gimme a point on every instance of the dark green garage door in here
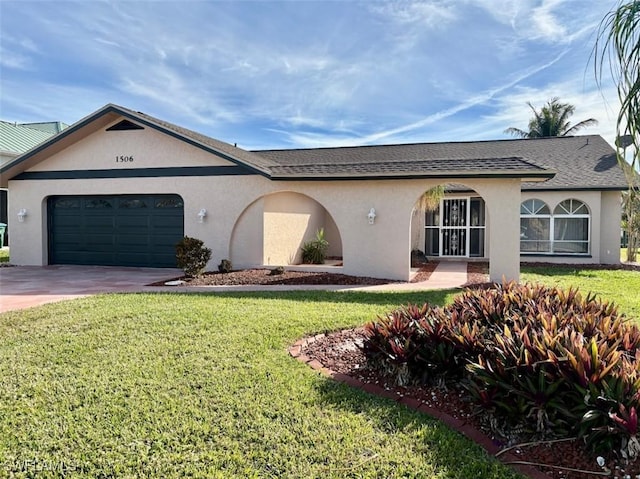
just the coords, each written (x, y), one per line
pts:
(124, 230)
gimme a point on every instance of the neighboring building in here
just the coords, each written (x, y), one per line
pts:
(121, 188)
(17, 138)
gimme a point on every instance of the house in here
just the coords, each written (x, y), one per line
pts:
(15, 139)
(120, 187)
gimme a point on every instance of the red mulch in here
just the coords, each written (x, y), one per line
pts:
(340, 353)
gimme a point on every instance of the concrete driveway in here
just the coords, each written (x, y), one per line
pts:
(26, 286)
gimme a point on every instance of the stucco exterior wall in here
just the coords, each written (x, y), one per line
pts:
(290, 220)
(148, 148)
(611, 212)
(378, 250)
(246, 245)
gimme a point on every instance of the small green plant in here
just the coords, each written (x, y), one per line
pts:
(315, 252)
(225, 266)
(192, 256)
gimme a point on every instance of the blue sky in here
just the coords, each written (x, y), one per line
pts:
(267, 74)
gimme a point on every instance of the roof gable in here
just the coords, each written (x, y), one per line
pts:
(108, 115)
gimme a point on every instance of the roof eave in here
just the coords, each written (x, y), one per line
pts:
(523, 175)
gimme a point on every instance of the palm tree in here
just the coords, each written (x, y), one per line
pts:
(551, 120)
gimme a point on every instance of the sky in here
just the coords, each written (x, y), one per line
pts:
(299, 74)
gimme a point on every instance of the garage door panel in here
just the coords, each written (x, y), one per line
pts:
(99, 242)
(96, 221)
(170, 222)
(126, 230)
(133, 221)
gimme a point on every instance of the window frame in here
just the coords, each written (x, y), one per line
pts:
(553, 214)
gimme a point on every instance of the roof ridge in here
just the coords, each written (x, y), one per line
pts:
(413, 160)
(419, 143)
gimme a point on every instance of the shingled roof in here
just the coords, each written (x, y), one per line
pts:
(580, 162)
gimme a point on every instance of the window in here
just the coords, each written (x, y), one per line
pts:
(535, 227)
(571, 227)
(566, 231)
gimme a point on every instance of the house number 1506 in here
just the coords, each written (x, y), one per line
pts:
(124, 159)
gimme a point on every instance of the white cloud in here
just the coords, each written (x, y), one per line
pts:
(431, 14)
(545, 21)
(9, 59)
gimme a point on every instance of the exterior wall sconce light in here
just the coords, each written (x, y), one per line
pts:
(372, 216)
(21, 215)
(201, 214)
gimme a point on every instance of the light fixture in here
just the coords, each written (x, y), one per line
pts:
(372, 216)
(201, 214)
(21, 214)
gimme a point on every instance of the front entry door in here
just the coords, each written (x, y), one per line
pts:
(454, 229)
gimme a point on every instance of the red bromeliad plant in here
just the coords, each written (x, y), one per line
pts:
(535, 359)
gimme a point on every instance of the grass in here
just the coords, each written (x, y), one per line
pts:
(620, 286)
(623, 253)
(4, 255)
(172, 385)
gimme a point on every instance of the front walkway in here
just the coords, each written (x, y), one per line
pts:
(26, 286)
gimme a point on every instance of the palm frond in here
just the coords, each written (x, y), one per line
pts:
(579, 126)
(430, 199)
(618, 47)
(517, 132)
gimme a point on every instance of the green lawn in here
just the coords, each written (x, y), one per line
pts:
(4, 255)
(621, 287)
(171, 385)
(202, 386)
(623, 253)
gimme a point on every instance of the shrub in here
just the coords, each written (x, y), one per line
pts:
(538, 360)
(315, 252)
(225, 266)
(192, 256)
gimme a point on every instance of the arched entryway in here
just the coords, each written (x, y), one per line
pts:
(450, 222)
(272, 230)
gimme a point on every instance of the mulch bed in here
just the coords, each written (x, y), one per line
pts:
(340, 353)
(265, 277)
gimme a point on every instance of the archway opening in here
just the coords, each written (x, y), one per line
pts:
(450, 222)
(272, 230)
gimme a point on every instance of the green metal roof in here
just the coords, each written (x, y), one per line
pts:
(16, 138)
(51, 127)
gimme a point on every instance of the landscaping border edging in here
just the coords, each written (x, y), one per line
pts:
(296, 351)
